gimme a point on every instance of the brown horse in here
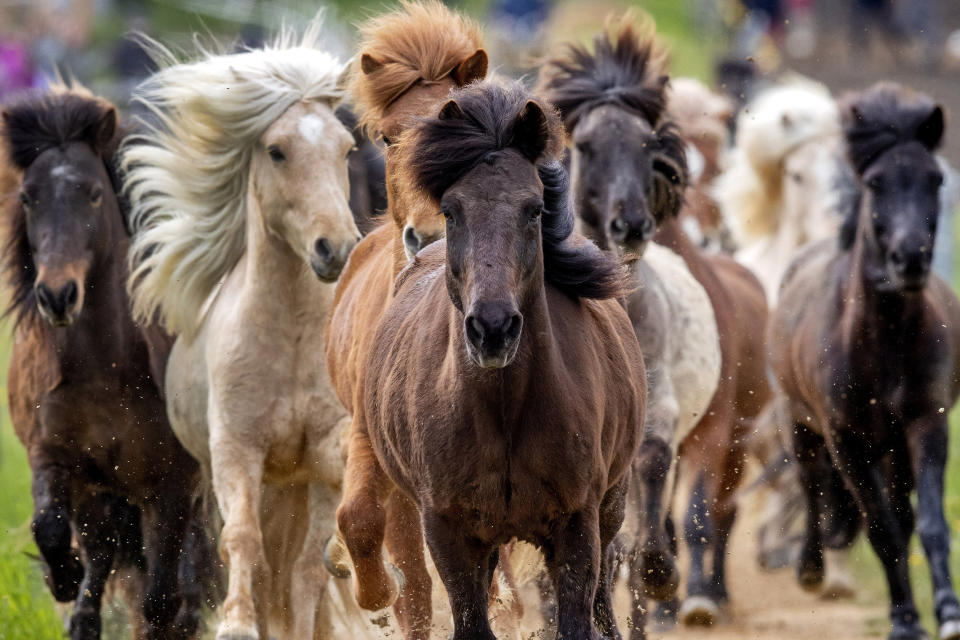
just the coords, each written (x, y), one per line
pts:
(85, 381)
(411, 59)
(498, 396)
(865, 344)
(604, 91)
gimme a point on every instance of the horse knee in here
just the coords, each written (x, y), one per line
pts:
(933, 533)
(362, 526)
(51, 531)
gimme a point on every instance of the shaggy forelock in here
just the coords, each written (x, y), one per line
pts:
(625, 68)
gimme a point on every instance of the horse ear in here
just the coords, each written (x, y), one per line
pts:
(930, 130)
(343, 80)
(369, 64)
(106, 128)
(530, 131)
(473, 68)
(450, 111)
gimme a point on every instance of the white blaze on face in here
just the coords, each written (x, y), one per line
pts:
(311, 128)
(62, 172)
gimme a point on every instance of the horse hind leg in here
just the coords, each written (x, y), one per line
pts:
(52, 531)
(98, 537)
(309, 578)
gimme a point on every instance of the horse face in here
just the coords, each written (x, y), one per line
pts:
(301, 185)
(809, 191)
(493, 252)
(902, 201)
(612, 172)
(62, 199)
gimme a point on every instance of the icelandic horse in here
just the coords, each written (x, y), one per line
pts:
(239, 201)
(713, 453)
(410, 60)
(865, 344)
(504, 389)
(85, 381)
(629, 175)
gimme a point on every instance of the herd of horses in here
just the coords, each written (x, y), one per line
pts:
(231, 400)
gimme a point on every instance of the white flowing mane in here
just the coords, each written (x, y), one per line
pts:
(773, 125)
(186, 175)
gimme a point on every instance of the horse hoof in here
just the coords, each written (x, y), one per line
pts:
(236, 631)
(85, 625)
(659, 576)
(810, 576)
(699, 611)
(838, 588)
(335, 558)
(68, 587)
(949, 630)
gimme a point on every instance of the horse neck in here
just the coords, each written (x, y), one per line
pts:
(278, 279)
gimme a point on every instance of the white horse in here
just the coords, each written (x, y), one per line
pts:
(779, 188)
(239, 201)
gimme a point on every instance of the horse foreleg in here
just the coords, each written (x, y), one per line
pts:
(813, 465)
(656, 568)
(52, 532)
(573, 558)
(309, 579)
(404, 539)
(196, 574)
(883, 530)
(164, 528)
(98, 537)
(237, 476)
(466, 568)
(361, 518)
(611, 514)
(928, 450)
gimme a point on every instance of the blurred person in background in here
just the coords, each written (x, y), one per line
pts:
(16, 69)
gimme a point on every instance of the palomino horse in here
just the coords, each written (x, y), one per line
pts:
(239, 197)
(703, 122)
(609, 89)
(669, 309)
(411, 58)
(84, 388)
(470, 406)
(865, 343)
(779, 187)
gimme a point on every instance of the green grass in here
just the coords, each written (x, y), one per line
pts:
(26, 607)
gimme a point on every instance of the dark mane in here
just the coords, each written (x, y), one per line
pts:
(33, 124)
(885, 116)
(446, 149)
(625, 69)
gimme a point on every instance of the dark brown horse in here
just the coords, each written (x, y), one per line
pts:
(865, 344)
(84, 381)
(630, 163)
(505, 391)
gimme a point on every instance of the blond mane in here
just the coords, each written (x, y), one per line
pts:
(774, 124)
(419, 41)
(187, 175)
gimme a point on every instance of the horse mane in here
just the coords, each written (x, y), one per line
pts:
(418, 41)
(32, 124)
(444, 149)
(187, 174)
(626, 68)
(774, 124)
(884, 116)
(699, 113)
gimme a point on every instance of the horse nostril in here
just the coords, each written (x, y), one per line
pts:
(323, 250)
(514, 326)
(411, 239)
(44, 296)
(897, 258)
(69, 295)
(647, 228)
(618, 225)
(475, 330)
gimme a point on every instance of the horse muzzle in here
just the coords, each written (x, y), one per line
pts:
(493, 334)
(328, 261)
(61, 305)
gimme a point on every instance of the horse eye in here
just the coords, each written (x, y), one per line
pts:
(275, 154)
(536, 212)
(386, 141)
(447, 215)
(25, 200)
(96, 196)
(583, 148)
(351, 150)
(936, 180)
(875, 183)
(796, 177)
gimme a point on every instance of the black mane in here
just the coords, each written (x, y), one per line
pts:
(33, 124)
(885, 116)
(446, 149)
(624, 69)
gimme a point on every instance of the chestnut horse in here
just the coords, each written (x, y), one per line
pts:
(471, 406)
(865, 343)
(85, 381)
(670, 311)
(239, 196)
(604, 90)
(411, 58)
